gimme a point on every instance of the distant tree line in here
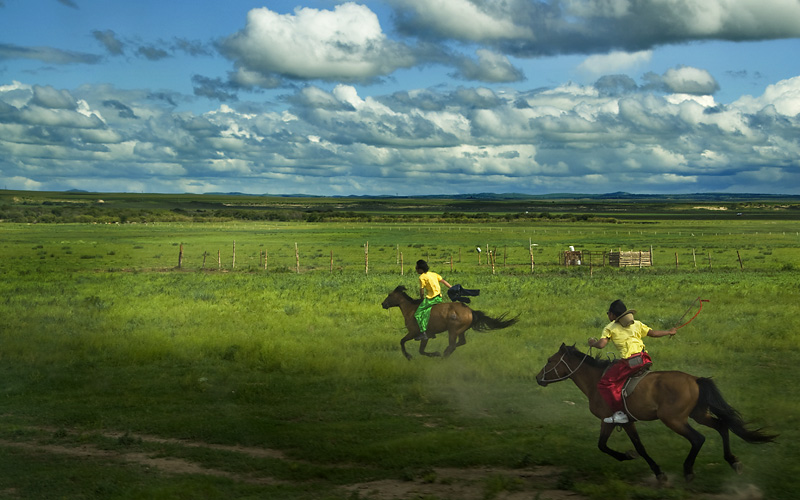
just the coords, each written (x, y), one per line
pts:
(47, 213)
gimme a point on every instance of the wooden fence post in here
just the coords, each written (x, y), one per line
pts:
(366, 258)
(233, 262)
(219, 259)
(676, 260)
(741, 266)
(180, 257)
(402, 273)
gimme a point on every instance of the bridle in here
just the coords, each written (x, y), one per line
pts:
(555, 367)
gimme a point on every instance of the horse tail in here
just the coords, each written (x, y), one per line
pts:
(710, 399)
(482, 322)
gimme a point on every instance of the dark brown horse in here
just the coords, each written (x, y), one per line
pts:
(669, 396)
(453, 317)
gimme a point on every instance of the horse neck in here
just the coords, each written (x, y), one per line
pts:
(586, 378)
(407, 307)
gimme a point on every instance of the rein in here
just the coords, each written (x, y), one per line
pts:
(565, 377)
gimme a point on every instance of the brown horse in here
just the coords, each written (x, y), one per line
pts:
(669, 396)
(453, 317)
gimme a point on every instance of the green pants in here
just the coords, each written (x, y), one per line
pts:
(423, 314)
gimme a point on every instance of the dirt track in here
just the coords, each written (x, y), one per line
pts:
(443, 483)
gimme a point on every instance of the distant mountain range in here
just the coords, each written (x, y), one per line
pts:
(619, 196)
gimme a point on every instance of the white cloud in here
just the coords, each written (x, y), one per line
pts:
(688, 80)
(784, 96)
(346, 44)
(569, 138)
(615, 62)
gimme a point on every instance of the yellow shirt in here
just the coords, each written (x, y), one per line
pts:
(628, 339)
(430, 282)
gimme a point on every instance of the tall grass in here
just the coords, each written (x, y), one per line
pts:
(309, 363)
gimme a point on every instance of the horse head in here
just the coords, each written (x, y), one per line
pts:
(395, 297)
(558, 367)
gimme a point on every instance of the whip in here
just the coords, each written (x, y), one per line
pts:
(691, 306)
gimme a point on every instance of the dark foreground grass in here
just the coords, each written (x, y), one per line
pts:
(176, 384)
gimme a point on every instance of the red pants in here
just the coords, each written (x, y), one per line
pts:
(610, 386)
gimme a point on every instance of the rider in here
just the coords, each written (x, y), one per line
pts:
(626, 333)
(431, 294)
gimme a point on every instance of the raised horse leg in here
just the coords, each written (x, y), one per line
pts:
(403, 345)
(630, 429)
(633, 435)
(422, 346)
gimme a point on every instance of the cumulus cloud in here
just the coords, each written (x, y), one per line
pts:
(614, 62)
(782, 97)
(687, 80)
(579, 138)
(345, 44)
(525, 28)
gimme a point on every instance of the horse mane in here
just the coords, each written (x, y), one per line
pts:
(402, 289)
(596, 362)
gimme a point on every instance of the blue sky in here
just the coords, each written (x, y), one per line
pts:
(400, 96)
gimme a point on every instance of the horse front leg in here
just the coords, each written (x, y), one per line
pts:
(422, 345)
(403, 345)
(633, 435)
(602, 443)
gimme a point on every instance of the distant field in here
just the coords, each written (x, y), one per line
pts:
(126, 376)
(48, 207)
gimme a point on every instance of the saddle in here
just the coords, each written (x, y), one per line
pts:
(630, 385)
(633, 381)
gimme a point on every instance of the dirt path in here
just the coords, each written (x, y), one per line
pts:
(443, 483)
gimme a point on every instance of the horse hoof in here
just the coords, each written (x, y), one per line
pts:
(738, 467)
(689, 477)
(662, 479)
(631, 454)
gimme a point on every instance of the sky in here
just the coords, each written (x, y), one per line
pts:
(400, 97)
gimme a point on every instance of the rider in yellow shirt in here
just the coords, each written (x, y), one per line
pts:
(431, 294)
(626, 333)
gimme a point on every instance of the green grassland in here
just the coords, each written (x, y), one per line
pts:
(285, 380)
